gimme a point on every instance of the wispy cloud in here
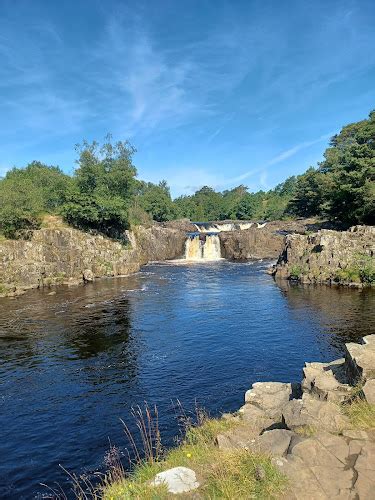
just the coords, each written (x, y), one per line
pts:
(284, 155)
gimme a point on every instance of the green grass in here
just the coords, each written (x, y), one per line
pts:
(226, 474)
(361, 414)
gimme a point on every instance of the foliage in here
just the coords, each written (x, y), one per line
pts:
(343, 185)
(25, 194)
(104, 194)
(361, 270)
(155, 199)
(104, 186)
(360, 413)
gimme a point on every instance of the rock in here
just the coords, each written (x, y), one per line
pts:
(242, 437)
(323, 256)
(59, 254)
(178, 480)
(275, 442)
(369, 391)
(365, 468)
(256, 417)
(355, 434)
(88, 275)
(314, 413)
(327, 381)
(360, 359)
(269, 397)
(317, 468)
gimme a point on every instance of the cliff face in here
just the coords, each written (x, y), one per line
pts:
(260, 241)
(65, 255)
(329, 256)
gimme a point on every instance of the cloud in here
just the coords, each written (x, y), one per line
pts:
(284, 155)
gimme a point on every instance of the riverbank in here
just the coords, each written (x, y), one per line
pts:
(58, 254)
(329, 257)
(311, 440)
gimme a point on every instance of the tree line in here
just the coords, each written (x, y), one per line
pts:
(105, 195)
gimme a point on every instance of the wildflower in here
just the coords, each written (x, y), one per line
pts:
(188, 455)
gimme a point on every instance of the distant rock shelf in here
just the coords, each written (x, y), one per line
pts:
(330, 257)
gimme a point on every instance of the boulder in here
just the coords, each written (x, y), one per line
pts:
(88, 275)
(311, 412)
(178, 480)
(276, 442)
(369, 391)
(327, 381)
(269, 397)
(256, 417)
(242, 437)
(360, 359)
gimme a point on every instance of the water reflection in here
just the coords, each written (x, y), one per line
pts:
(343, 314)
(73, 363)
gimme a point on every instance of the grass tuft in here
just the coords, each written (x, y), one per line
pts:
(361, 414)
(223, 474)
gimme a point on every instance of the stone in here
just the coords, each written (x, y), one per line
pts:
(88, 275)
(323, 450)
(360, 359)
(327, 381)
(242, 437)
(178, 480)
(355, 434)
(369, 391)
(256, 417)
(314, 413)
(275, 442)
(317, 469)
(269, 397)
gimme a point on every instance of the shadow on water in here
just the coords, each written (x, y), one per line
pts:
(343, 314)
(73, 363)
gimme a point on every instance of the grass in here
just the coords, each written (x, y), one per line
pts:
(361, 414)
(225, 474)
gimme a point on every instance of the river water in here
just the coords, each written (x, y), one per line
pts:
(73, 363)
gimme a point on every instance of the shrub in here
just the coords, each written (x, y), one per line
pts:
(17, 224)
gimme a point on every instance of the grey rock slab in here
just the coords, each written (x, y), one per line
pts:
(241, 437)
(269, 397)
(326, 381)
(309, 411)
(256, 417)
(360, 359)
(355, 434)
(319, 452)
(365, 469)
(369, 391)
(275, 442)
(177, 480)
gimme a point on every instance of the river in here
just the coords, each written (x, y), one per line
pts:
(74, 362)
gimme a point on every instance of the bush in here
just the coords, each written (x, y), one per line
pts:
(106, 215)
(17, 224)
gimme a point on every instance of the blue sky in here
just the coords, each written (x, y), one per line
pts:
(209, 92)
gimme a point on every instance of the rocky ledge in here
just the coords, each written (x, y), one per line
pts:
(307, 432)
(331, 257)
(64, 255)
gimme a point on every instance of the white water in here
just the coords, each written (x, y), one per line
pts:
(196, 249)
(209, 227)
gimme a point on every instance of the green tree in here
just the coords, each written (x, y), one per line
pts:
(105, 186)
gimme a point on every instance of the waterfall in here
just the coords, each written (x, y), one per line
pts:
(197, 248)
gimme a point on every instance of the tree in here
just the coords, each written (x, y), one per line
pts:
(156, 200)
(26, 194)
(105, 186)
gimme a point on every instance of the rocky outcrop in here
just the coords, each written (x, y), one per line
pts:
(327, 256)
(262, 240)
(63, 255)
(308, 434)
